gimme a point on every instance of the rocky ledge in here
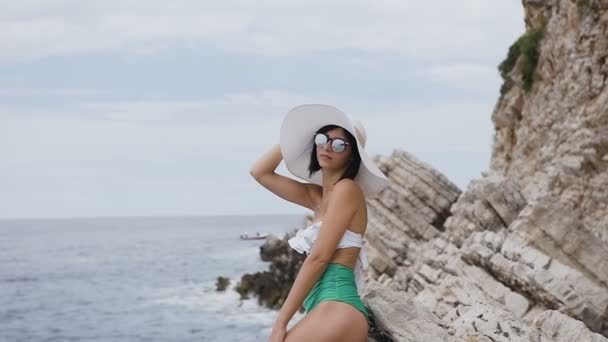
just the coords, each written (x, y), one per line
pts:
(521, 254)
(272, 286)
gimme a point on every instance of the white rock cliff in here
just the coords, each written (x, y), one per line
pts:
(522, 253)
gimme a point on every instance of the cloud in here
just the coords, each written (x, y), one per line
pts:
(32, 30)
(186, 161)
(166, 130)
(40, 91)
(161, 107)
(462, 76)
(236, 104)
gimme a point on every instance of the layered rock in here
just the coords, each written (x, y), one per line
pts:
(522, 253)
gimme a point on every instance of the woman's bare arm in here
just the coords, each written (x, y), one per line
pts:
(263, 170)
(268, 162)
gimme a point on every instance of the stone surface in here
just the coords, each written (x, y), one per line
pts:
(553, 326)
(272, 286)
(524, 248)
(521, 254)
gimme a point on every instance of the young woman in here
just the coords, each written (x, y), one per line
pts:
(324, 146)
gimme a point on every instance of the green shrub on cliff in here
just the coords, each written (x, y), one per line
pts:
(526, 47)
(582, 5)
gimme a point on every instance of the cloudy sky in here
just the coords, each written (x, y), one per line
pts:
(129, 108)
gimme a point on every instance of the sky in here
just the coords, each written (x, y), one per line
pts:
(155, 108)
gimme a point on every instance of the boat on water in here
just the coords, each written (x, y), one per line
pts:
(257, 236)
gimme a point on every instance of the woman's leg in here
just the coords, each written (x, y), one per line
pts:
(330, 321)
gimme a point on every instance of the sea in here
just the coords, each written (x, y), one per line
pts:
(133, 278)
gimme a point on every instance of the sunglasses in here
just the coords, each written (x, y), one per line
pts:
(337, 144)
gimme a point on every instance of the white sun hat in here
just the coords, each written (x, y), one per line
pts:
(296, 142)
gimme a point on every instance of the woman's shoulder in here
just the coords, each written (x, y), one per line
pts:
(350, 192)
(354, 194)
(349, 187)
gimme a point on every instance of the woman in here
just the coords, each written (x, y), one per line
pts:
(316, 137)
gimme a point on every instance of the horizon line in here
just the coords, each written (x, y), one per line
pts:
(145, 216)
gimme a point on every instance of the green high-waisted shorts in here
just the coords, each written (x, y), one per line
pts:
(336, 283)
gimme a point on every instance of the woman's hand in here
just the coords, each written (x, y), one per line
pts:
(279, 330)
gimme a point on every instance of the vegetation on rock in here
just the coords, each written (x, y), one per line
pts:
(526, 47)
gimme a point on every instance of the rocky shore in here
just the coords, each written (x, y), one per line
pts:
(521, 254)
(272, 286)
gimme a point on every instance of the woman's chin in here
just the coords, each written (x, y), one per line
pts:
(327, 165)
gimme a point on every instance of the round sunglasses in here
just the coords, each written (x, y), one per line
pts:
(337, 144)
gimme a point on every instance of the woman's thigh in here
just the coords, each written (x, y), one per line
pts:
(330, 321)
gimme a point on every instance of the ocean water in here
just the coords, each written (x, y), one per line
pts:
(132, 279)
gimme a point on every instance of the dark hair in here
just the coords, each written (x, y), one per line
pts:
(353, 164)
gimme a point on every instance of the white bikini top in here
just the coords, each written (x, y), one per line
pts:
(304, 239)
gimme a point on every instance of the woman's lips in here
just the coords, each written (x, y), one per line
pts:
(324, 156)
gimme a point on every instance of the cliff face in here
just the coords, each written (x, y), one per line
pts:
(522, 253)
(553, 140)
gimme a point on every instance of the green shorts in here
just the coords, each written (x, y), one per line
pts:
(336, 283)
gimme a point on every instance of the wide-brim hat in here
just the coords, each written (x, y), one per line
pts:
(296, 142)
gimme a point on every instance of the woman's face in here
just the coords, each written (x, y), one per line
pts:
(328, 159)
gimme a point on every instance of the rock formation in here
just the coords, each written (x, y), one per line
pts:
(271, 287)
(521, 254)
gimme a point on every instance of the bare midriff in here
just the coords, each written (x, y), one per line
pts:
(346, 256)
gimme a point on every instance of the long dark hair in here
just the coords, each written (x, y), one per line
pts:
(354, 162)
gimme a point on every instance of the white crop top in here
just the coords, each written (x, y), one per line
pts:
(304, 239)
